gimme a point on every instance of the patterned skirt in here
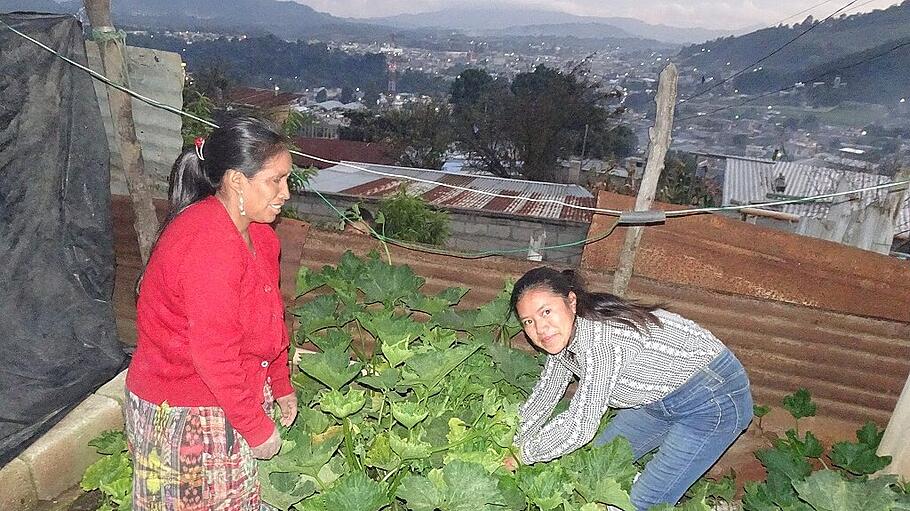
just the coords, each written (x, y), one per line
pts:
(189, 458)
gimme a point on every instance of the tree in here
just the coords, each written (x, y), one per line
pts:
(527, 126)
(322, 95)
(481, 112)
(213, 81)
(680, 184)
(613, 143)
(418, 135)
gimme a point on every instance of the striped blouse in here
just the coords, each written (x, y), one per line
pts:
(617, 367)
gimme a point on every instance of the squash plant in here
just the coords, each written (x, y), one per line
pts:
(409, 404)
(422, 415)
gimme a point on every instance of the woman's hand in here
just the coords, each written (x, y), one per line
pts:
(510, 463)
(269, 448)
(288, 406)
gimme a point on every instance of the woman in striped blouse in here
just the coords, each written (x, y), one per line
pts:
(680, 390)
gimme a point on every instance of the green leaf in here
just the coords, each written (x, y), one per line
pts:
(342, 405)
(519, 369)
(333, 368)
(409, 413)
(380, 454)
(431, 367)
(332, 339)
(109, 442)
(870, 435)
(311, 421)
(283, 489)
(315, 315)
(385, 381)
(441, 338)
(470, 487)
(107, 471)
(826, 490)
(308, 387)
(305, 453)
(512, 496)
(608, 491)
(799, 404)
(381, 282)
(760, 410)
(861, 458)
(394, 333)
(857, 459)
(355, 492)
(409, 449)
(420, 494)
(308, 280)
(808, 448)
(609, 461)
(546, 486)
(757, 497)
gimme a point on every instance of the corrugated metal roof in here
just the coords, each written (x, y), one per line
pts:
(345, 180)
(747, 182)
(158, 75)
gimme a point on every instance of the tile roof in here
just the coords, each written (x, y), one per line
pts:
(344, 180)
(336, 150)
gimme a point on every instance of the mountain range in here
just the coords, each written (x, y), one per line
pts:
(294, 20)
(504, 20)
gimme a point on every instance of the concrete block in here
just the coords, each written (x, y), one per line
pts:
(115, 389)
(475, 228)
(17, 491)
(499, 231)
(58, 459)
(522, 233)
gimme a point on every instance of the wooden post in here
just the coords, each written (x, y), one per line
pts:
(112, 48)
(659, 144)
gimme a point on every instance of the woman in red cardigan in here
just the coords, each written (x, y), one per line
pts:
(212, 345)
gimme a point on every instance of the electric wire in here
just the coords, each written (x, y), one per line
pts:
(766, 57)
(594, 210)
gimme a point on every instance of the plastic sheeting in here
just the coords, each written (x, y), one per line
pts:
(58, 341)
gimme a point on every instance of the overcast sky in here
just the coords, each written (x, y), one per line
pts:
(724, 14)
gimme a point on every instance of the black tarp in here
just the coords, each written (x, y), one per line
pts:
(58, 341)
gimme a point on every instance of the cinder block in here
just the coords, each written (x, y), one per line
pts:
(115, 389)
(58, 459)
(17, 491)
(475, 228)
(500, 231)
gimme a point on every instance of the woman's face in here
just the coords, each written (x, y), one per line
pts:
(547, 318)
(267, 191)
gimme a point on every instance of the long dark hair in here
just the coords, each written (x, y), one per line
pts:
(594, 306)
(243, 144)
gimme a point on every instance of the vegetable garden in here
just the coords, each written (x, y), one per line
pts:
(410, 404)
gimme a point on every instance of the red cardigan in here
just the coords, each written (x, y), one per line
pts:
(210, 320)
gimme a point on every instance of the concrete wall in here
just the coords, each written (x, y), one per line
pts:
(470, 230)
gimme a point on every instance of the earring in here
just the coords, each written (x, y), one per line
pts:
(242, 211)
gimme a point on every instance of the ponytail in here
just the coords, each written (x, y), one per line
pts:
(593, 306)
(188, 183)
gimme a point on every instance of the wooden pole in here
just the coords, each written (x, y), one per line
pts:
(112, 47)
(659, 144)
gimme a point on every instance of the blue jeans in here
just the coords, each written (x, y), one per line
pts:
(690, 428)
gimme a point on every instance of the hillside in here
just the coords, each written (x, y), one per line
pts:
(493, 18)
(831, 41)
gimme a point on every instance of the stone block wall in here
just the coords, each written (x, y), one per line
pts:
(471, 230)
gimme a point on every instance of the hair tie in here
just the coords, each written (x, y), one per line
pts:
(199, 141)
